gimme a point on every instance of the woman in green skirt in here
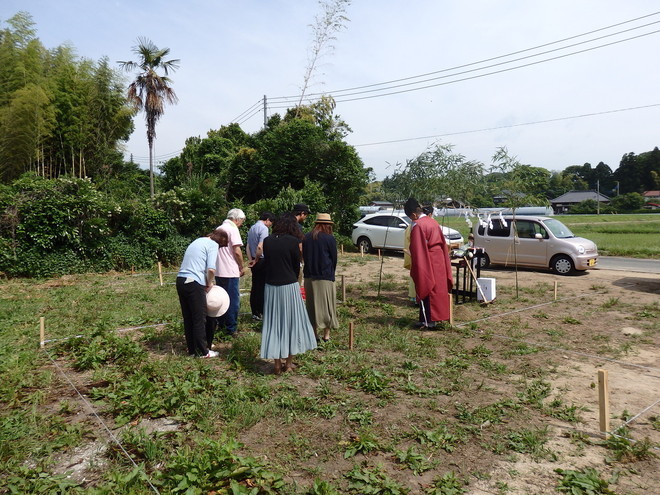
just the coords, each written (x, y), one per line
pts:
(320, 256)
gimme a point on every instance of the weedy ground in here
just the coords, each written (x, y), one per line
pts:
(504, 401)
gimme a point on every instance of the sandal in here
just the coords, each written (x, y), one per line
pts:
(293, 367)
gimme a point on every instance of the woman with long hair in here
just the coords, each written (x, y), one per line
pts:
(286, 328)
(320, 264)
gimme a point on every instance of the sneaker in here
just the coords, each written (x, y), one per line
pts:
(211, 354)
(257, 318)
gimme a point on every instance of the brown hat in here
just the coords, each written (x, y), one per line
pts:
(323, 218)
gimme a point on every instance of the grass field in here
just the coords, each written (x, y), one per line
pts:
(636, 236)
(486, 407)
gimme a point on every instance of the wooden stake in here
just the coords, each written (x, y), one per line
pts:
(604, 401)
(451, 309)
(342, 250)
(361, 251)
(132, 270)
(351, 335)
(379, 254)
(160, 273)
(42, 331)
(555, 290)
(343, 289)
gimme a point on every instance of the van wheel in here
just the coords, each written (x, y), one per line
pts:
(562, 265)
(364, 245)
(484, 261)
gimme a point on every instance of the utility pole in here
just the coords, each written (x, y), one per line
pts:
(598, 197)
(617, 187)
(265, 114)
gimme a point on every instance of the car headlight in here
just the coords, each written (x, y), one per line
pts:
(580, 249)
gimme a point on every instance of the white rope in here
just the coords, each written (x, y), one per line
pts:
(638, 415)
(101, 422)
(583, 354)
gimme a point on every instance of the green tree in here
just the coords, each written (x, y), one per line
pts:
(558, 184)
(327, 25)
(639, 173)
(520, 184)
(58, 114)
(27, 122)
(435, 175)
(150, 90)
(628, 202)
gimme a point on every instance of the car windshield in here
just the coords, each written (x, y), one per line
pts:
(558, 229)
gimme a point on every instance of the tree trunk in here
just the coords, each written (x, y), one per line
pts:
(151, 168)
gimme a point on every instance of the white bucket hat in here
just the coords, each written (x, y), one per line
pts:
(217, 301)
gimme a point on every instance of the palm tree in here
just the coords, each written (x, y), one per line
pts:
(150, 90)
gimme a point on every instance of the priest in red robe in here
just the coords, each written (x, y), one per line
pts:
(431, 268)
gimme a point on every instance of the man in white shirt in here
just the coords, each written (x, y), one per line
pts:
(229, 271)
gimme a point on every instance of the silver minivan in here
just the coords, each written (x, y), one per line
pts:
(540, 242)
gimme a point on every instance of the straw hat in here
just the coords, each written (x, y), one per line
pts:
(217, 301)
(324, 218)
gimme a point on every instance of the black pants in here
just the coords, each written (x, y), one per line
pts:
(257, 290)
(192, 297)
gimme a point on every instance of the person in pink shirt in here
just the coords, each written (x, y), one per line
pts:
(230, 269)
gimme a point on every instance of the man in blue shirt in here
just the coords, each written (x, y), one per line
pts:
(255, 240)
(195, 278)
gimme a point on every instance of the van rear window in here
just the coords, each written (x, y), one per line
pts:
(499, 230)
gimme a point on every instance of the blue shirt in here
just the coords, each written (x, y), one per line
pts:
(256, 235)
(201, 255)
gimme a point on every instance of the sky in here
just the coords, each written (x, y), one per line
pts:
(550, 110)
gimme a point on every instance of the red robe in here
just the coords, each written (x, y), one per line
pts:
(431, 268)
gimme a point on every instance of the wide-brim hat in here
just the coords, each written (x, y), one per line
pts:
(217, 301)
(324, 218)
(302, 207)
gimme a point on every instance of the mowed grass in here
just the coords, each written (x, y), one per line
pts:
(634, 235)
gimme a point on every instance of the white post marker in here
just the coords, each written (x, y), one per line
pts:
(42, 331)
(160, 273)
(555, 290)
(604, 401)
(351, 335)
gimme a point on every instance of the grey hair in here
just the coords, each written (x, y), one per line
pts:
(236, 214)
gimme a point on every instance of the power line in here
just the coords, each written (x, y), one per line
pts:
(435, 136)
(249, 109)
(297, 97)
(255, 112)
(341, 98)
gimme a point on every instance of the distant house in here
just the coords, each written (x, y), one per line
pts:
(563, 203)
(651, 196)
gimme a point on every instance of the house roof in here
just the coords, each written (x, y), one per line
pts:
(579, 196)
(651, 194)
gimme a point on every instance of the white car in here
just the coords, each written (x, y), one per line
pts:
(385, 230)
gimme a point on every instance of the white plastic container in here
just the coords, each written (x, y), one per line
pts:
(487, 288)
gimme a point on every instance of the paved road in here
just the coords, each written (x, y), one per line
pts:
(628, 264)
